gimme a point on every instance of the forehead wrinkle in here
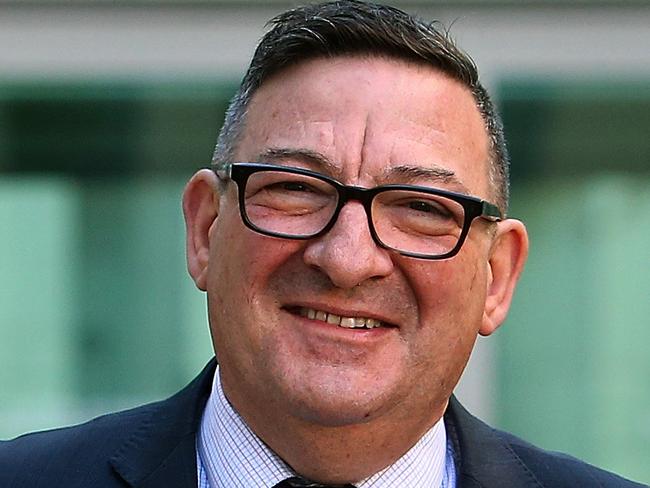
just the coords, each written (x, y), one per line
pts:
(362, 146)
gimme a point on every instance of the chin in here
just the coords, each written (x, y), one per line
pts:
(340, 402)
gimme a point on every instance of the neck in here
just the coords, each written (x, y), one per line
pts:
(342, 454)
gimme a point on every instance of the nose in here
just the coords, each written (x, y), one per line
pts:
(347, 254)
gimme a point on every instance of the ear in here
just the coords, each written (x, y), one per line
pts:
(507, 257)
(200, 208)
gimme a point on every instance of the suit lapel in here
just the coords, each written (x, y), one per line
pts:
(161, 451)
(483, 458)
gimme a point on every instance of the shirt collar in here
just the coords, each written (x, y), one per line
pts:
(233, 456)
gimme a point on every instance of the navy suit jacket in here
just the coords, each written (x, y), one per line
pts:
(155, 446)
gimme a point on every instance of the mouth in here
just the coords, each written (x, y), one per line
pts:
(354, 322)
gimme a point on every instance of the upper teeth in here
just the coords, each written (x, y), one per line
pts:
(330, 318)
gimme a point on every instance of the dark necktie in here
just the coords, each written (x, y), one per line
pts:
(297, 482)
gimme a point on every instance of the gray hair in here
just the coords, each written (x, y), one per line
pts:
(351, 27)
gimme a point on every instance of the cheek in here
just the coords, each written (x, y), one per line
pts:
(237, 254)
(451, 298)
(451, 312)
(228, 294)
(466, 276)
(242, 264)
(448, 286)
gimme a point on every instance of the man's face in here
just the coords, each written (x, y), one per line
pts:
(365, 116)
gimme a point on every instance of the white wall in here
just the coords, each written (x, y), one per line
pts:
(104, 40)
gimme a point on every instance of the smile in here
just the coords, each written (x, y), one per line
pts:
(347, 322)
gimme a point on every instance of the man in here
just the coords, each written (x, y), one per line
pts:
(352, 241)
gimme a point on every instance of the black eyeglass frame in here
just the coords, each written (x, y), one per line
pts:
(473, 207)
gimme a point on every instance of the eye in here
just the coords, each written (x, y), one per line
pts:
(430, 207)
(291, 186)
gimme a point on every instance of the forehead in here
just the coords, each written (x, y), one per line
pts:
(367, 116)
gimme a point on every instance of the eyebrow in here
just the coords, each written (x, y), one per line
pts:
(413, 174)
(315, 159)
(403, 173)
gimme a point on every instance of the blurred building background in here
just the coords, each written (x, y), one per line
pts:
(106, 109)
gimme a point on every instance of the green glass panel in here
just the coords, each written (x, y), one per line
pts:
(573, 356)
(137, 305)
(39, 304)
(573, 365)
(119, 154)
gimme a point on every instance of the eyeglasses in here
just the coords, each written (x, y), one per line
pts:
(295, 203)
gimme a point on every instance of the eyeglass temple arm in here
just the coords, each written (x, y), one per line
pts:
(223, 171)
(491, 212)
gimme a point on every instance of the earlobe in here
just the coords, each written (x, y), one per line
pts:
(200, 208)
(507, 258)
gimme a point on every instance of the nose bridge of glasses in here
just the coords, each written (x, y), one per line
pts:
(355, 193)
(347, 193)
(359, 194)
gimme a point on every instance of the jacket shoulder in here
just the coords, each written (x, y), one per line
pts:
(556, 469)
(70, 456)
(151, 442)
(486, 457)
